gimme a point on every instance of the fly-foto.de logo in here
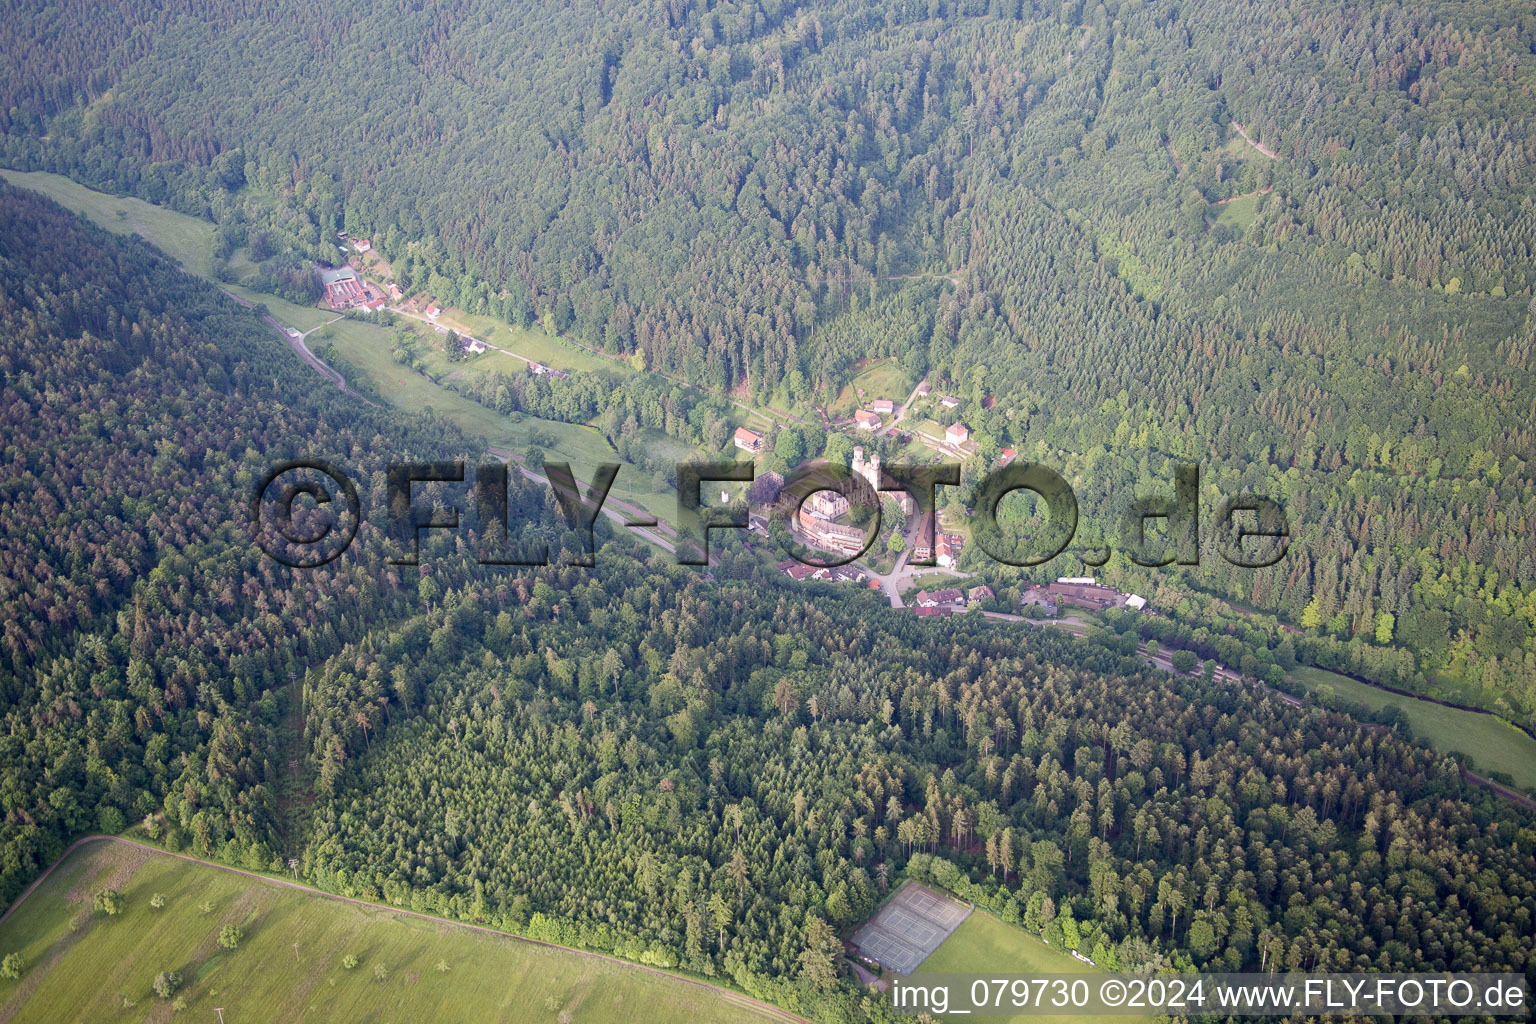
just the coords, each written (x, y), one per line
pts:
(305, 513)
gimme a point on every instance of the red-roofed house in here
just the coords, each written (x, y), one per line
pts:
(1007, 456)
(957, 433)
(949, 597)
(866, 420)
(922, 547)
(748, 440)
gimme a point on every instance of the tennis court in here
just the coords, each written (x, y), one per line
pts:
(910, 927)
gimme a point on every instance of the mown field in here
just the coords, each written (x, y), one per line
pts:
(289, 964)
(1238, 213)
(1493, 745)
(987, 945)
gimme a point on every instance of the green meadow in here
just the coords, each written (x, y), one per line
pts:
(291, 961)
(182, 237)
(1239, 212)
(883, 378)
(1493, 744)
(984, 944)
(367, 346)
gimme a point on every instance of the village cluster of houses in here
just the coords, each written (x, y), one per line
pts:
(941, 548)
(826, 534)
(949, 601)
(871, 418)
(345, 288)
(818, 515)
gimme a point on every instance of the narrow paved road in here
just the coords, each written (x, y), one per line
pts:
(735, 997)
(901, 413)
(296, 342)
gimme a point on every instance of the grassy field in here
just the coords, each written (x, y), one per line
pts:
(83, 966)
(1238, 213)
(985, 944)
(533, 343)
(367, 348)
(184, 238)
(882, 379)
(1492, 744)
(935, 581)
(921, 447)
(189, 240)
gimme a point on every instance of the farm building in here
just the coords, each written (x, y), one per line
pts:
(343, 288)
(1084, 592)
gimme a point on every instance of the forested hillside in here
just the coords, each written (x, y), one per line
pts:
(723, 775)
(149, 647)
(1289, 241)
(709, 771)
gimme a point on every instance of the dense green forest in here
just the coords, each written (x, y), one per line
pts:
(735, 768)
(1024, 201)
(711, 771)
(150, 650)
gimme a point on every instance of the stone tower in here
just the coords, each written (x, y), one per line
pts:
(869, 470)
